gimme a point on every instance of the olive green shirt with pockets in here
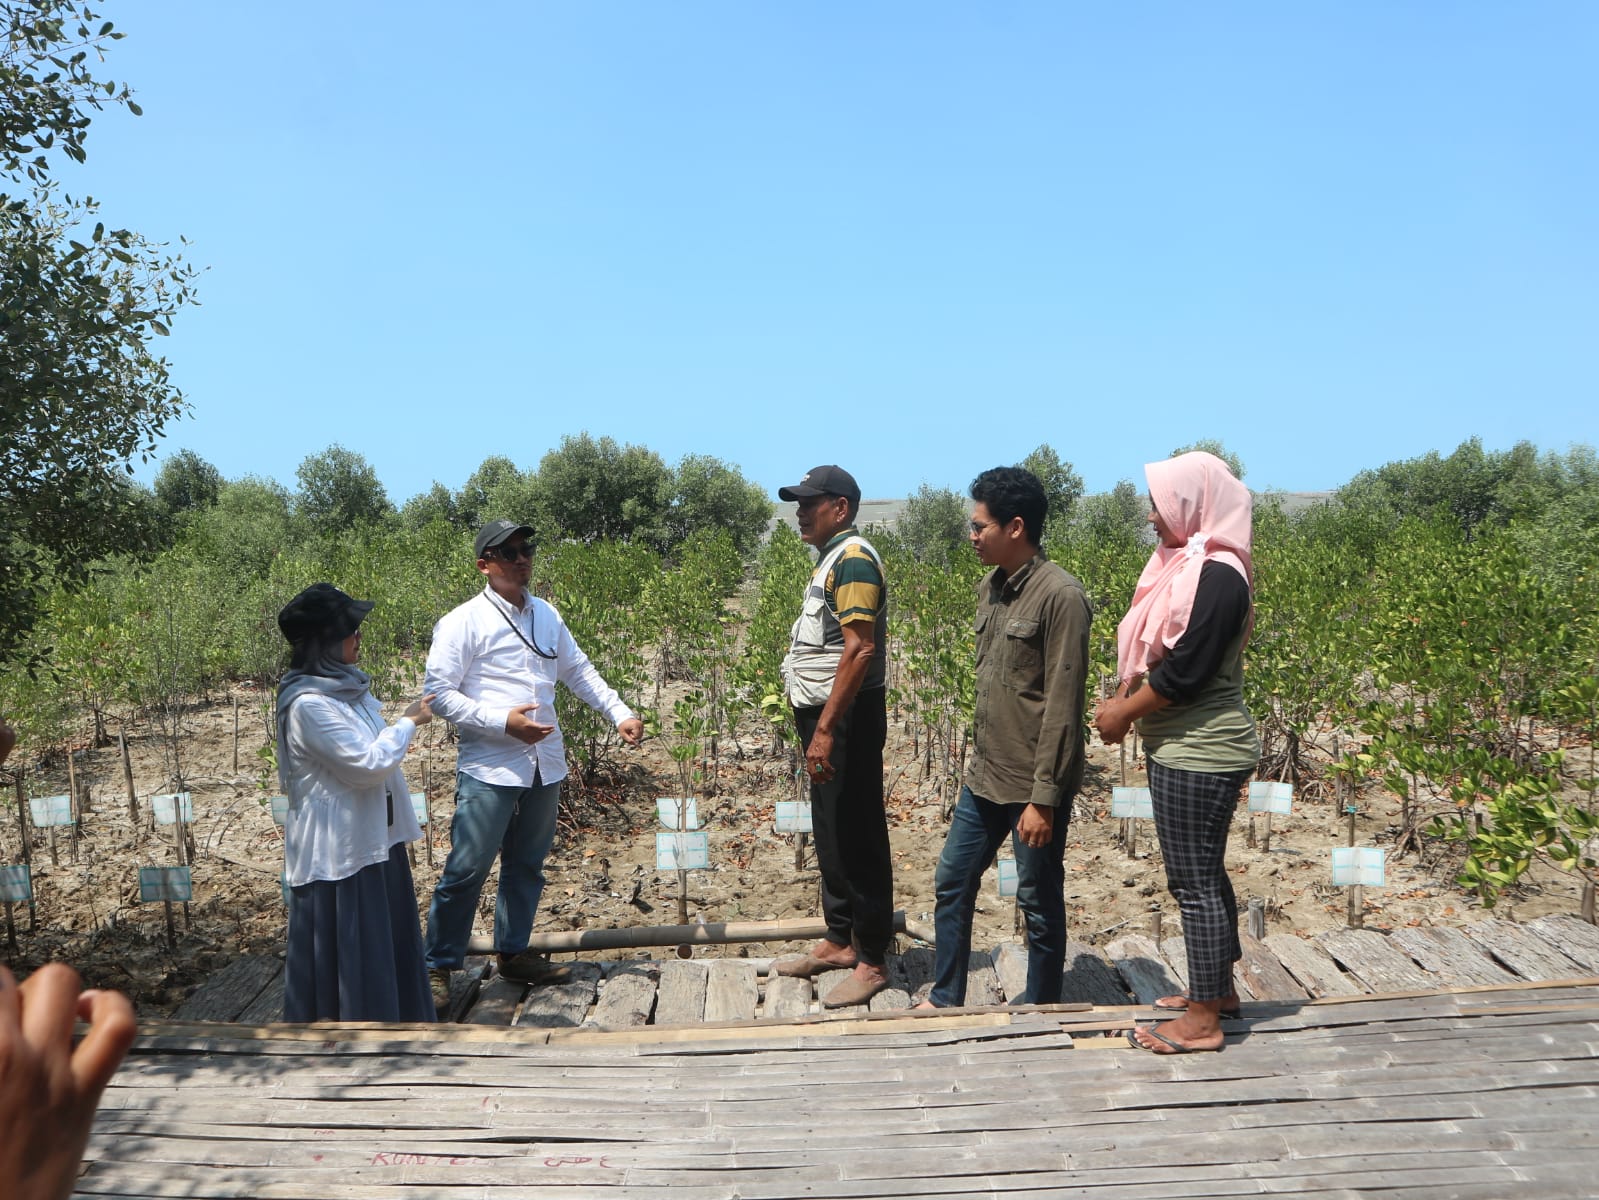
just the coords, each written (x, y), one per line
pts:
(1032, 667)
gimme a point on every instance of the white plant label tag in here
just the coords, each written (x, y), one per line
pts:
(1006, 867)
(46, 811)
(1271, 797)
(16, 885)
(1357, 864)
(682, 852)
(165, 883)
(280, 809)
(668, 807)
(419, 805)
(166, 806)
(1131, 802)
(793, 816)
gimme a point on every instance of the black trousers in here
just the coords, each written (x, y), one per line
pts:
(851, 829)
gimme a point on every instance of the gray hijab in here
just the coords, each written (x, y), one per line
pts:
(328, 674)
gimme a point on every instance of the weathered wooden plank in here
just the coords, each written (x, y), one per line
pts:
(786, 997)
(627, 997)
(1010, 968)
(228, 992)
(496, 1004)
(1089, 979)
(562, 1005)
(1175, 951)
(1137, 960)
(1313, 966)
(680, 1000)
(1374, 960)
(1577, 939)
(1265, 974)
(1450, 955)
(465, 985)
(731, 989)
(982, 981)
(1523, 951)
(268, 1006)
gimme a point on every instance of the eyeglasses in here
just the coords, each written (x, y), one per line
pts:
(813, 501)
(512, 553)
(977, 527)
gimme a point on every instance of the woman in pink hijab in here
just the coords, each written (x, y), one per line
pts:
(1179, 660)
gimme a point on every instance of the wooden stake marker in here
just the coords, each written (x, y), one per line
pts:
(16, 887)
(169, 885)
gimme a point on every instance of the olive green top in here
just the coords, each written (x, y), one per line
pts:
(1212, 732)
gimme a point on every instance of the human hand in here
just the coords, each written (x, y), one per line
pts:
(819, 757)
(48, 1087)
(420, 711)
(632, 731)
(1111, 722)
(1036, 826)
(524, 728)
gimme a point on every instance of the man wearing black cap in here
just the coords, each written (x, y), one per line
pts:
(492, 669)
(835, 674)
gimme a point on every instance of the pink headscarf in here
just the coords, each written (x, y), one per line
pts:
(1204, 505)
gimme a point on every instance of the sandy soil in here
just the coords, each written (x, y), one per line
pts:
(602, 872)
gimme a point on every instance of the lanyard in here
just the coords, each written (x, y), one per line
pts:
(516, 629)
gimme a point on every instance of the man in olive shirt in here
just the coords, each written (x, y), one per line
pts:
(1027, 759)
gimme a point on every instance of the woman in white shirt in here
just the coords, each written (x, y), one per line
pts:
(354, 945)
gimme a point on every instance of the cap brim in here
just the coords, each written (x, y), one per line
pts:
(802, 492)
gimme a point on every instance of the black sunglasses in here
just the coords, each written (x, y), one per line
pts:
(512, 553)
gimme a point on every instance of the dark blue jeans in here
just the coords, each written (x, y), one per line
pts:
(516, 823)
(975, 833)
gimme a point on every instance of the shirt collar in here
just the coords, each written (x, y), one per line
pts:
(1017, 579)
(504, 604)
(838, 537)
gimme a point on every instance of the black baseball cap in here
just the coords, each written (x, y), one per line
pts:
(322, 610)
(823, 481)
(495, 532)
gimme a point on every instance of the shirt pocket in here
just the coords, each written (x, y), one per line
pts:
(1024, 652)
(979, 627)
(811, 629)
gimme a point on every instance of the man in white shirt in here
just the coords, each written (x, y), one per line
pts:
(492, 670)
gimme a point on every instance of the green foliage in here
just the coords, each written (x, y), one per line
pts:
(595, 490)
(496, 489)
(1214, 446)
(81, 389)
(187, 483)
(339, 491)
(781, 574)
(707, 494)
(1062, 484)
(438, 503)
(934, 526)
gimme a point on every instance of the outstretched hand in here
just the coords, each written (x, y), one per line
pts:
(420, 711)
(48, 1087)
(632, 731)
(523, 727)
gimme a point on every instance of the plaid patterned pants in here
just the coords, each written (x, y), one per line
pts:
(1193, 813)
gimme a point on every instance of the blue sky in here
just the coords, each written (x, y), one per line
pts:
(914, 238)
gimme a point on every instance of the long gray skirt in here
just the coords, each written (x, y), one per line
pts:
(355, 948)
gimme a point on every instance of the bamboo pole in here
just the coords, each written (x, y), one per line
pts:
(715, 933)
(127, 775)
(22, 820)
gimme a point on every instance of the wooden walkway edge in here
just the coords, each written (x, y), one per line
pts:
(1481, 1092)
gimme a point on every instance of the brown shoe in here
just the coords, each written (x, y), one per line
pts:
(532, 967)
(853, 990)
(439, 984)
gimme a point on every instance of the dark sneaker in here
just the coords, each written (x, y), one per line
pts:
(531, 967)
(439, 982)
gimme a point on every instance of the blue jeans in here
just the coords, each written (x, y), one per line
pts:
(976, 830)
(518, 824)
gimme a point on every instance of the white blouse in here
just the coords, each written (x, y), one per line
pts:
(343, 769)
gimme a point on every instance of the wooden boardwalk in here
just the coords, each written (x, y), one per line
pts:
(1130, 970)
(1474, 1094)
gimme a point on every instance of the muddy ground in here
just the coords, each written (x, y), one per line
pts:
(602, 872)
